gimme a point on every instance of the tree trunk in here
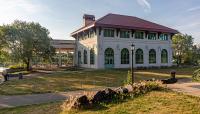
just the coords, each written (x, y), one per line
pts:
(28, 65)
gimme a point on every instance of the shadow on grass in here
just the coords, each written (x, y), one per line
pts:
(64, 81)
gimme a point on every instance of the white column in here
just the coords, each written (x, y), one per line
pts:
(158, 56)
(146, 56)
(170, 58)
(117, 57)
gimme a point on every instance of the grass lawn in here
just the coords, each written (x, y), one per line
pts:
(159, 102)
(82, 80)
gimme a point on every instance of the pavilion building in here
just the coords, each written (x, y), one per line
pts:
(106, 42)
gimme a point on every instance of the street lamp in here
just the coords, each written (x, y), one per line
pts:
(132, 70)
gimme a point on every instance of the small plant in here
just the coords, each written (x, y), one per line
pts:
(196, 75)
(128, 79)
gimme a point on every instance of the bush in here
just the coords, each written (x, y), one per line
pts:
(17, 66)
(196, 75)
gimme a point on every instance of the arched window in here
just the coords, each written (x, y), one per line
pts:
(92, 56)
(152, 56)
(139, 56)
(125, 56)
(85, 57)
(109, 58)
(164, 56)
(79, 57)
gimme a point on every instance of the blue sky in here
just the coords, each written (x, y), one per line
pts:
(62, 17)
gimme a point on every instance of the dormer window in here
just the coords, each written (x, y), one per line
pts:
(124, 34)
(109, 33)
(152, 36)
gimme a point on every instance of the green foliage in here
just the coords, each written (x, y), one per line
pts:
(4, 57)
(196, 75)
(185, 52)
(17, 66)
(28, 39)
(3, 42)
(128, 79)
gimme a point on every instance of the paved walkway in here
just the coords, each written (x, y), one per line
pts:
(23, 100)
(186, 86)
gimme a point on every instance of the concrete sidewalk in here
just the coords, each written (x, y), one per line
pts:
(186, 86)
(23, 100)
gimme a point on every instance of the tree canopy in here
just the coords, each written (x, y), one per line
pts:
(28, 39)
(184, 49)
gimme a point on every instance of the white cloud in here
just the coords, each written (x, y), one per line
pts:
(19, 9)
(191, 28)
(145, 4)
(193, 9)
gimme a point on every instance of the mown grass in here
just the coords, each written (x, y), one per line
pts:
(62, 81)
(157, 102)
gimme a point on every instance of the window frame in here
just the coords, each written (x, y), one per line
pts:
(125, 35)
(79, 57)
(125, 56)
(164, 60)
(139, 56)
(85, 55)
(164, 37)
(92, 57)
(139, 35)
(108, 54)
(109, 34)
(152, 56)
(148, 36)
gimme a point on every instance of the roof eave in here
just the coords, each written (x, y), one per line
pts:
(82, 29)
(138, 28)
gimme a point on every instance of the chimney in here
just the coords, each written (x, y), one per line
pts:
(87, 19)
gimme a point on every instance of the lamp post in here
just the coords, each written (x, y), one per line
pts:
(132, 70)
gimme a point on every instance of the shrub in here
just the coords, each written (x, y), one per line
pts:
(17, 66)
(196, 75)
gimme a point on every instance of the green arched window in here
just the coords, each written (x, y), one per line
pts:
(139, 56)
(79, 57)
(92, 56)
(152, 56)
(109, 58)
(164, 56)
(85, 57)
(125, 56)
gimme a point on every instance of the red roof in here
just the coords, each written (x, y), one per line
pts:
(128, 22)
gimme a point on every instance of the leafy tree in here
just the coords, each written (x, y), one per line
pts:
(2, 38)
(28, 39)
(196, 54)
(3, 45)
(183, 48)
